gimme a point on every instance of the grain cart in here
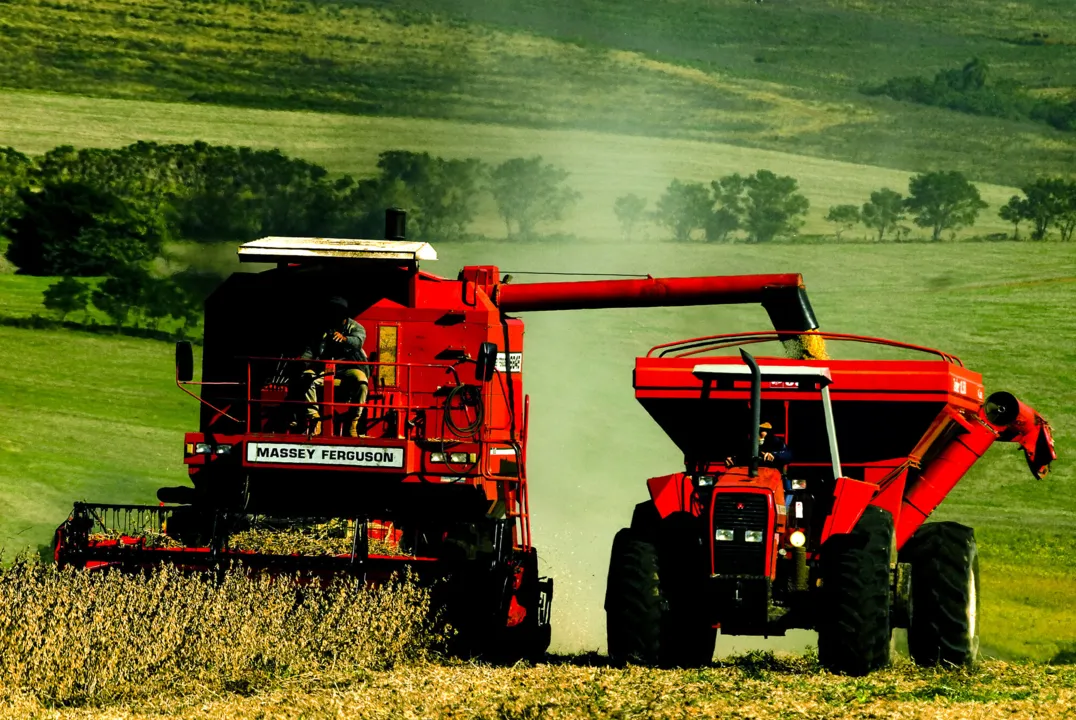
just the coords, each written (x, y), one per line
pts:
(834, 539)
(435, 478)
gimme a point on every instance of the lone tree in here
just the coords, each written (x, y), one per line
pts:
(67, 296)
(74, 229)
(529, 192)
(772, 206)
(844, 217)
(884, 211)
(1015, 211)
(630, 210)
(943, 200)
(684, 208)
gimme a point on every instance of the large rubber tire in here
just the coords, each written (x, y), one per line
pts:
(853, 610)
(634, 606)
(652, 615)
(944, 622)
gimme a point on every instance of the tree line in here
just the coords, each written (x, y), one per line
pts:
(970, 90)
(92, 212)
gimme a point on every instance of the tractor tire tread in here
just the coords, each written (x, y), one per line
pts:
(853, 627)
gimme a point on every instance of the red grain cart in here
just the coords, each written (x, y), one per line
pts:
(831, 539)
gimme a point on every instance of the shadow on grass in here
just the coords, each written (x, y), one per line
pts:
(36, 322)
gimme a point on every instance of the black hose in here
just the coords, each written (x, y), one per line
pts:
(470, 397)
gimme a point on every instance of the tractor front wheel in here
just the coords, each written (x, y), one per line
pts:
(853, 609)
(944, 623)
(634, 605)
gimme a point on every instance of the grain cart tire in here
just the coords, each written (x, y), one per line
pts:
(853, 603)
(944, 622)
(634, 606)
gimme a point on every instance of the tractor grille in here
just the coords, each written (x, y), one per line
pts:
(740, 512)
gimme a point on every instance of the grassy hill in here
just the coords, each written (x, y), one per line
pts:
(87, 416)
(780, 74)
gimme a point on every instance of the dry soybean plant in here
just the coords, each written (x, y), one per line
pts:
(70, 638)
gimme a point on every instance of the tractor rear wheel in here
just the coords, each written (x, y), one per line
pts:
(944, 623)
(634, 605)
(853, 623)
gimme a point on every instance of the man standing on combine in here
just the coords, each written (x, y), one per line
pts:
(342, 339)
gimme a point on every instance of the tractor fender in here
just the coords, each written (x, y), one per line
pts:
(850, 498)
(672, 494)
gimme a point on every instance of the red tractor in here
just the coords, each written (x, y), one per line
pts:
(822, 529)
(431, 474)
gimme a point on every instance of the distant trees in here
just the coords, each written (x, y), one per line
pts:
(1047, 202)
(969, 90)
(529, 192)
(684, 208)
(630, 211)
(943, 200)
(884, 211)
(764, 205)
(71, 228)
(844, 217)
(14, 169)
(67, 296)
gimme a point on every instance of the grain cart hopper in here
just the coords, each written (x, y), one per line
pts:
(833, 539)
(435, 478)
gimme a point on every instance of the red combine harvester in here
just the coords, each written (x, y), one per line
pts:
(433, 475)
(754, 542)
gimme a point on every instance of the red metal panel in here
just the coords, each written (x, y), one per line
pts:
(672, 493)
(850, 499)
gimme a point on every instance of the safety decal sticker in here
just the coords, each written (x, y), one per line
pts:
(515, 361)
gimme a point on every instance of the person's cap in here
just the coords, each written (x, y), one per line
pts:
(765, 426)
(334, 303)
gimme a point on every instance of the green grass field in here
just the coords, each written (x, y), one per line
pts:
(780, 75)
(603, 166)
(86, 416)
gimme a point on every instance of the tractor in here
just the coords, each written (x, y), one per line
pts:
(830, 536)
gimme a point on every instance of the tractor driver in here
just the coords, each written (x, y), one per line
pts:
(772, 450)
(341, 339)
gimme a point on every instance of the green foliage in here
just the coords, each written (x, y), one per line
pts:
(728, 202)
(14, 172)
(1046, 202)
(943, 201)
(772, 206)
(529, 192)
(684, 208)
(966, 90)
(884, 211)
(124, 292)
(844, 217)
(721, 223)
(443, 193)
(67, 296)
(630, 210)
(70, 228)
(1015, 211)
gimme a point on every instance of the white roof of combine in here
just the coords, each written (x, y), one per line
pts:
(768, 372)
(292, 249)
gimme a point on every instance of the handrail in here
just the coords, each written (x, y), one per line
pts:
(699, 345)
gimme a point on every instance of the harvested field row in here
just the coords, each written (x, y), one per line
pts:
(752, 686)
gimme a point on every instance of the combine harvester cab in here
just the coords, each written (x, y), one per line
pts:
(433, 479)
(834, 540)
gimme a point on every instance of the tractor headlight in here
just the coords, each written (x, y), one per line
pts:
(704, 481)
(203, 448)
(753, 536)
(799, 484)
(797, 539)
(460, 458)
(437, 458)
(724, 535)
(223, 450)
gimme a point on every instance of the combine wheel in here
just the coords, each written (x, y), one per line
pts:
(944, 627)
(853, 622)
